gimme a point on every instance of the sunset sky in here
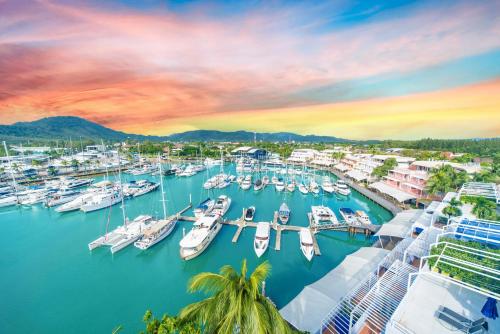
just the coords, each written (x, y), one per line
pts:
(352, 69)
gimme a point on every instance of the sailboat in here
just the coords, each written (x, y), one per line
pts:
(9, 199)
(124, 235)
(157, 230)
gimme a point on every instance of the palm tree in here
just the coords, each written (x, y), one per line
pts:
(453, 209)
(484, 208)
(445, 179)
(235, 304)
(168, 325)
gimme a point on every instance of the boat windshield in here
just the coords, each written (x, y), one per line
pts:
(262, 238)
(307, 244)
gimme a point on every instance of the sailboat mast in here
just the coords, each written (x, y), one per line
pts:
(121, 189)
(162, 191)
(10, 166)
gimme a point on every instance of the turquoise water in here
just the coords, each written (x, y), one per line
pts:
(51, 283)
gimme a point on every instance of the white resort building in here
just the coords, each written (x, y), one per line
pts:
(424, 277)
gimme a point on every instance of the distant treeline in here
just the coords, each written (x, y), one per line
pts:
(481, 147)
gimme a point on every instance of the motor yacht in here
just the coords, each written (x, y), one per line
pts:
(8, 200)
(306, 243)
(362, 217)
(314, 187)
(327, 185)
(250, 214)
(349, 216)
(247, 182)
(102, 200)
(201, 235)
(61, 197)
(342, 188)
(221, 205)
(280, 185)
(204, 207)
(265, 180)
(291, 186)
(284, 213)
(261, 240)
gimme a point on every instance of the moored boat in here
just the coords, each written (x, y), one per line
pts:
(204, 207)
(306, 243)
(201, 235)
(284, 213)
(250, 213)
(221, 205)
(348, 215)
(261, 240)
(323, 215)
(362, 217)
(342, 188)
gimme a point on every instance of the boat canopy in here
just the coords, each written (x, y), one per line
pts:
(262, 230)
(155, 228)
(284, 210)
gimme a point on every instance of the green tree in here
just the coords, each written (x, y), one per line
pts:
(169, 325)
(453, 209)
(484, 209)
(52, 171)
(235, 304)
(75, 164)
(384, 169)
(445, 179)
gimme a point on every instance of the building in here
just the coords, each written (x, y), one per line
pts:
(302, 156)
(325, 158)
(429, 165)
(250, 152)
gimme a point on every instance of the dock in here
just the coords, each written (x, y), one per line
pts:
(278, 239)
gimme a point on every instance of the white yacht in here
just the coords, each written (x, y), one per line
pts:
(284, 213)
(279, 185)
(240, 179)
(61, 197)
(342, 188)
(75, 204)
(314, 187)
(265, 180)
(102, 200)
(247, 182)
(34, 196)
(8, 200)
(261, 240)
(156, 231)
(323, 215)
(73, 182)
(327, 185)
(291, 186)
(259, 184)
(303, 189)
(274, 180)
(204, 207)
(306, 243)
(349, 216)
(362, 217)
(211, 183)
(145, 187)
(225, 182)
(201, 235)
(123, 235)
(221, 205)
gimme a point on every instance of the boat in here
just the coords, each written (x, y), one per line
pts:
(211, 183)
(204, 207)
(240, 179)
(75, 204)
(145, 187)
(222, 205)
(265, 180)
(284, 213)
(247, 182)
(280, 185)
(349, 216)
(274, 180)
(362, 217)
(201, 235)
(190, 170)
(73, 182)
(306, 243)
(122, 236)
(291, 186)
(258, 185)
(8, 200)
(327, 185)
(342, 188)
(250, 213)
(61, 197)
(313, 187)
(323, 215)
(303, 189)
(157, 230)
(225, 182)
(261, 240)
(102, 200)
(34, 196)
(209, 162)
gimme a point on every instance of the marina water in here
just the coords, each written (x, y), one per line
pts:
(51, 283)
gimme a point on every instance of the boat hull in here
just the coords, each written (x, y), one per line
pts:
(208, 241)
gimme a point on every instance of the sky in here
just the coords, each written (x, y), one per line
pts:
(351, 69)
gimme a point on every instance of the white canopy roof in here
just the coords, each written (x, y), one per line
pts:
(395, 193)
(356, 175)
(400, 225)
(315, 301)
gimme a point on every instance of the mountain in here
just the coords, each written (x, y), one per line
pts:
(246, 136)
(64, 127)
